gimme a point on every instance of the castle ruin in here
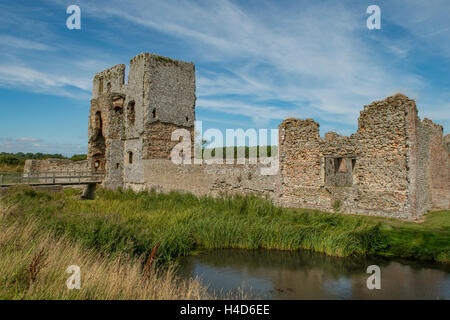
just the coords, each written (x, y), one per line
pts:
(133, 122)
(395, 165)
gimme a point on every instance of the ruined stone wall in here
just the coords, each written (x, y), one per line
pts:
(429, 167)
(423, 162)
(384, 140)
(301, 165)
(212, 179)
(369, 170)
(439, 166)
(34, 167)
(106, 134)
(170, 85)
(157, 141)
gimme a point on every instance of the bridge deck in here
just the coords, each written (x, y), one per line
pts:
(9, 179)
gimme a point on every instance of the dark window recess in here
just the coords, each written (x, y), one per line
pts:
(131, 115)
(154, 113)
(339, 171)
(337, 164)
(130, 157)
(117, 102)
(117, 165)
(100, 85)
(187, 118)
(98, 120)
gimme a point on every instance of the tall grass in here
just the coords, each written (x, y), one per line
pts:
(124, 221)
(33, 265)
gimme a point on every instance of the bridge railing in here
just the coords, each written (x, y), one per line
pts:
(61, 177)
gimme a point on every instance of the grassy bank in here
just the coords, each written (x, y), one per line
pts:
(132, 223)
(33, 264)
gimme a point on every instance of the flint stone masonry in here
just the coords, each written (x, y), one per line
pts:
(51, 167)
(395, 164)
(34, 167)
(213, 179)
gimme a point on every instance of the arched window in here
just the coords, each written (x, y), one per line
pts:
(97, 164)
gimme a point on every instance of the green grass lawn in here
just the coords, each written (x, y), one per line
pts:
(124, 221)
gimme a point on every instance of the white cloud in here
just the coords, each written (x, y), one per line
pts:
(26, 139)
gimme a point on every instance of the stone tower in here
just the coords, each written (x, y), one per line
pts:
(131, 122)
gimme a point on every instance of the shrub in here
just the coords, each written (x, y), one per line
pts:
(336, 205)
(9, 160)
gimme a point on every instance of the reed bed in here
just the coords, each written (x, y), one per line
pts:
(118, 222)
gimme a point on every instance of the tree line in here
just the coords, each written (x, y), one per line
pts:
(20, 157)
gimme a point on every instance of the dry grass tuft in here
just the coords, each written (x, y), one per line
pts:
(38, 262)
(33, 266)
(148, 264)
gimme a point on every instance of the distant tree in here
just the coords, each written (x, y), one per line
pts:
(78, 157)
(20, 155)
(9, 159)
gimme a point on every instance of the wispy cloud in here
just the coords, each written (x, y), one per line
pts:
(10, 41)
(260, 114)
(26, 139)
(37, 81)
(313, 60)
(26, 144)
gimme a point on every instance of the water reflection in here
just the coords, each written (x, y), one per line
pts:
(269, 274)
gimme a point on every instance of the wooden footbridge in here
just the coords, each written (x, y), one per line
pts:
(8, 179)
(48, 179)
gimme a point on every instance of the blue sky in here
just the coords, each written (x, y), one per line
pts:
(257, 62)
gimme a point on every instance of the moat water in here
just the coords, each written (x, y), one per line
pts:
(270, 274)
